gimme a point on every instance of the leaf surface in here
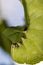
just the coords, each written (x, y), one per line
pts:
(31, 52)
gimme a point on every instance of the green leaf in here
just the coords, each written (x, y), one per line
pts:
(31, 52)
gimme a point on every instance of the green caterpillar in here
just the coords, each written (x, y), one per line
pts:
(9, 35)
(31, 52)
